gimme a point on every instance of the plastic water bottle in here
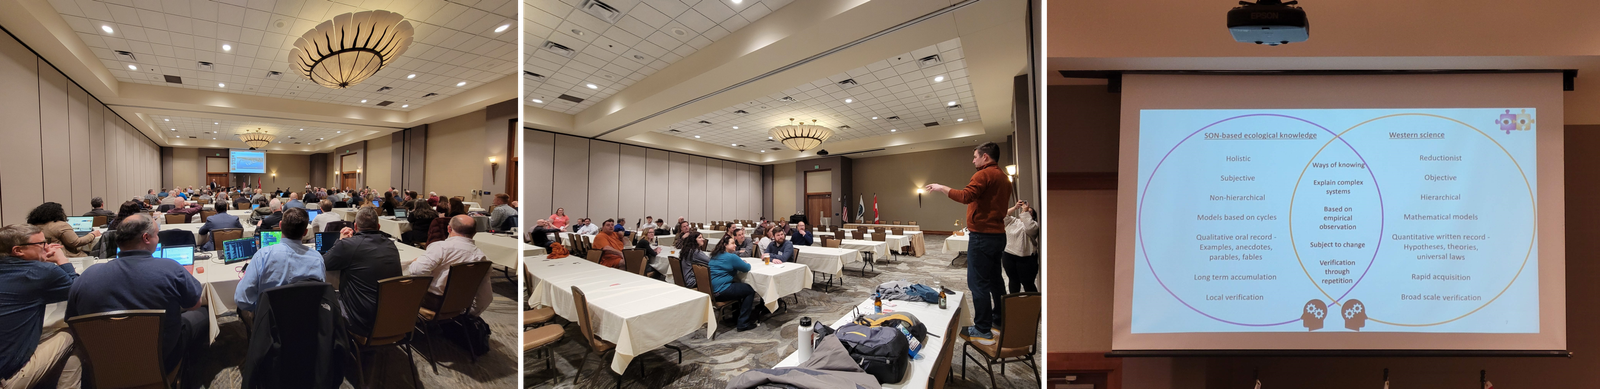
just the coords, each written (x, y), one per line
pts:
(805, 339)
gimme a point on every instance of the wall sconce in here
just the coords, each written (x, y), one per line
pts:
(919, 197)
(358, 170)
(1011, 171)
(274, 177)
(494, 168)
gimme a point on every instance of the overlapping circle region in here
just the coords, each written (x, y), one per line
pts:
(1339, 136)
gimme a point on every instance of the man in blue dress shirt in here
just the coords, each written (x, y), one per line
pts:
(281, 264)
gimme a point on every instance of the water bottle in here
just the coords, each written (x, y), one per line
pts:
(805, 339)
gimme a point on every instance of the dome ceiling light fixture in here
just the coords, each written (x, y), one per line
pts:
(257, 138)
(352, 47)
(802, 136)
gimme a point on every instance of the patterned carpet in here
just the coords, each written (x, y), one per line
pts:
(496, 369)
(711, 363)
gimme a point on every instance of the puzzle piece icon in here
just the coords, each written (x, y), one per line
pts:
(1524, 121)
(1507, 122)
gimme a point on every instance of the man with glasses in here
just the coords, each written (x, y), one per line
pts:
(33, 273)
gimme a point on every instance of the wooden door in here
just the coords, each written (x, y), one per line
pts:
(348, 180)
(220, 178)
(818, 206)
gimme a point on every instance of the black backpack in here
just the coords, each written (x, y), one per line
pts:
(470, 332)
(882, 352)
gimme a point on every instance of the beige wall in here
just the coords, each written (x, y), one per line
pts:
(895, 179)
(455, 156)
(378, 162)
(61, 144)
(185, 167)
(783, 184)
(602, 180)
(293, 170)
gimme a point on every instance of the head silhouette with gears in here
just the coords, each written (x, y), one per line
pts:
(1313, 313)
(1355, 314)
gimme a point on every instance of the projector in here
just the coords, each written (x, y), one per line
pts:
(822, 152)
(1269, 22)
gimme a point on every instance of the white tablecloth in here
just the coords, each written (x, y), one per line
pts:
(937, 320)
(879, 250)
(712, 235)
(503, 250)
(955, 243)
(637, 313)
(827, 260)
(666, 240)
(773, 282)
(394, 227)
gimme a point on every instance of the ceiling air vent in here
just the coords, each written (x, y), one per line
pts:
(787, 99)
(673, 130)
(124, 55)
(193, 137)
(275, 76)
(385, 103)
(775, 148)
(385, 89)
(429, 95)
(845, 127)
(174, 79)
(955, 106)
(741, 112)
(601, 10)
(705, 122)
(296, 142)
(893, 118)
(930, 124)
(534, 76)
(847, 84)
(559, 49)
(206, 66)
(927, 61)
(571, 98)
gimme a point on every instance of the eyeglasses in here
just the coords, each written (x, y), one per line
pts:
(33, 243)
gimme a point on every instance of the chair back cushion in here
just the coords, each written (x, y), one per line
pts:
(702, 279)
(462, 288)
(398, 301)
(677, 267)
(1021, 313)
(123, 347)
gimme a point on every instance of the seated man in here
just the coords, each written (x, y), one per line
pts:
(500, 213)
(799, 235)
(362, 259)
(185, 208)
(135, 280)
(221, 220)
(33, 273)
(780, 250)
(544, 234)
(609, 242)
(327, 215)
(586, 228)
(280, 264)
(273, 218)
(99, 209)
(457, 249)
(294, 201)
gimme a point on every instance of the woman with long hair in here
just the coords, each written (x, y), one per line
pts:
(725, 266)
(691, 250)
(388, 203)
(559, 219)
(51, 218)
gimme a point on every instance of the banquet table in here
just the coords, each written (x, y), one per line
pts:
(879, 250)
(773, 282)
(956, 243)
(503, 250)
(938, 323)
(712, 235)
(393, 226)
(218, 282)
(827, 260)
(912, 238)
(637, 313)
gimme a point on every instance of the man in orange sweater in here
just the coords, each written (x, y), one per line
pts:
(986, 198)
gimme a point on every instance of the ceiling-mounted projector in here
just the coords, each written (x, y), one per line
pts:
(1269, 22)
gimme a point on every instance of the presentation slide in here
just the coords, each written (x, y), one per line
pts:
(247, 161)
(1337, 220)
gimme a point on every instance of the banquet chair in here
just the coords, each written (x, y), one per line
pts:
(122, 349)
(205, 214)
(913, 222)
(677, 271)
(593, 342)
(541, 338)
(399, 298)
(941, 369)
(100, 221)
(223, 235)
(633, 261)
(895, 222)
(857, 235)
(702, 282)
(592, 256)
(1014, 338)
(459, 292)
(176, 218)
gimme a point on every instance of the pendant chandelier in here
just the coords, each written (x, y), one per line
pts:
(256, 138)
(802, 136)
(347, 50)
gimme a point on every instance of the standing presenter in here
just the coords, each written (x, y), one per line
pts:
(986, 197)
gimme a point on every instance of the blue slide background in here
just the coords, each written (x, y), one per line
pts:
(1498, 191)
(245, 161)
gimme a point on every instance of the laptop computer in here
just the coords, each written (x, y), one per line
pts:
(82, 225)
(183, 254)
(325, 241)
(238, 250)
(376, 203)
(399, 214)
(311, 214)
(254, 206)
(269, 238)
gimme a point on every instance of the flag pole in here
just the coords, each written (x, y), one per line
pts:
(1483, 378)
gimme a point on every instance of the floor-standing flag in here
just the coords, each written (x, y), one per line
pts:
(1258, 384)
(861, 209)
(874, 208)
(1385, 384)
(1488, 385)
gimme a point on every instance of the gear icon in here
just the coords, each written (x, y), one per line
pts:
(1311, 308)
(1357, 308)
(1350, 313)
(1319, 313)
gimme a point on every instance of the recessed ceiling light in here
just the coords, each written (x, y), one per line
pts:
(951, 104)
(735, 127)
(537, 101)
(697, 137)
(769, 137)
(227, 47)
(592, 86)
(339, 132)
(502, 28)
(463, 83)
(131, 67)
(961, 119)
(105, 28)
(363, 101)
(222, 85)
(302, 129)
(874, 118)
(166, 120)
(734, 144)
(737, 1)
(405, 105)
(893, 130)
(848, 101)
(174, 129)
(215, 123)
(938, 79)
(763, 151)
